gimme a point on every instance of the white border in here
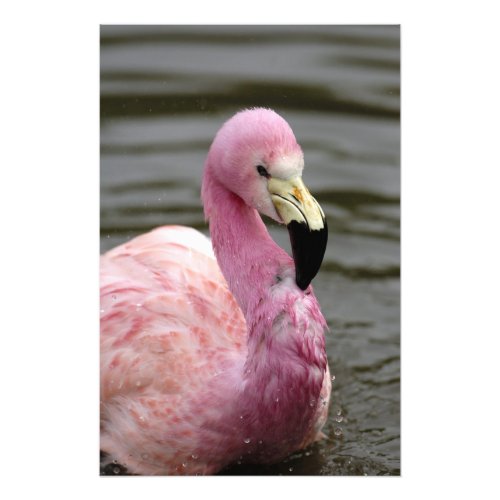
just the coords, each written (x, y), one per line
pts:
(50, 247)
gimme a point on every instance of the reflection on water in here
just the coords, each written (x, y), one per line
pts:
(165, 91)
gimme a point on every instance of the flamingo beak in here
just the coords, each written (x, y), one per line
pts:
(306, 225)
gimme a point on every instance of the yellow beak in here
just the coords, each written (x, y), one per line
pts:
(306, 225)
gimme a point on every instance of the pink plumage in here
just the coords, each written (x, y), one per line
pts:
(207, 361)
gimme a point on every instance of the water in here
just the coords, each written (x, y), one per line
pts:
(165, 91)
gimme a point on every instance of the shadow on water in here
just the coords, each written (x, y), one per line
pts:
(165, 91)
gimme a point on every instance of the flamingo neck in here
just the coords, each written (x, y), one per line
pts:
(248, 257)
(285, 364)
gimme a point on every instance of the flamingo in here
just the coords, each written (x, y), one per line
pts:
(214, 353)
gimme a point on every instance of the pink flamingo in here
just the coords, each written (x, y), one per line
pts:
(204, 366)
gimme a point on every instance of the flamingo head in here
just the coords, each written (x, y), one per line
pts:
(255, 155)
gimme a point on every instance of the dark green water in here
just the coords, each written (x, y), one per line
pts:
(165, 91)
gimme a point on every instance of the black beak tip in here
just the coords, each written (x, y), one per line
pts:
(308, 248)
(302, 282)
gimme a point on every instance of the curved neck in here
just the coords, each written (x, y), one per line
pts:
(247, 255)
(283, 372)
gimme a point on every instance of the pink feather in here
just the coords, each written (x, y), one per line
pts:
(201, 365)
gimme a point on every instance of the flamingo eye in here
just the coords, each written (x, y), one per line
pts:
(262, 171)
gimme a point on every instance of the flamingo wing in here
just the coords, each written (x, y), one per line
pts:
(168, 322)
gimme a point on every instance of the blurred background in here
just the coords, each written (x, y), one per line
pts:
(166, 90)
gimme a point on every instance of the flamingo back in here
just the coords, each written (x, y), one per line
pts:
(168, 321)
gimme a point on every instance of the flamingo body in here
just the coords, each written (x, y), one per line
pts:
(211, 359)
